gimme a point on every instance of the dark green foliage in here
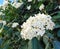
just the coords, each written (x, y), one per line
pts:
(56, 44)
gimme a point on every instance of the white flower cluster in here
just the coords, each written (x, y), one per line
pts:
(17, 4)
(2, 21)
(36, 26)
(14, 4)
(29, 7)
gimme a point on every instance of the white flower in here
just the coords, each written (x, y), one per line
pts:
(15, 24)
(5, 4)
(46, 19)
(36, 26)
(59, 7)
(50, 25)
(29, 0)
(17, 5)
(29, 7)
(41, 7)
(4, 22)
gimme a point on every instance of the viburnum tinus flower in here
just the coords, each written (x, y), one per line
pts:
(2, 21)
(29, 7)
(59, 7)
(36, 26)
(15, 24)
(17, 4)
(41, 7)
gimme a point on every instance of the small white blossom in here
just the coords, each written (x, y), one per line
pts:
(5, 4)
(1, 30)
(17, 5)
(41, 7)
(59, 7)
(36, 26)
(15, 24)
(50, 25)
(29, 0)
(29, 7)
(4, 22)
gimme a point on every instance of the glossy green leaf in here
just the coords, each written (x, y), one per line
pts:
(56, 44)
(58, 33)
(34, 44)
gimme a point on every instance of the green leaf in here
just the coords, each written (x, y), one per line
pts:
(45, 39)
(57, 26)
(34, 44)
(57, 16)
(56, 44)
(47, 46)
(49, 35)
(58, 33)
(1, 25)
(1, 41)
(7, 47)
